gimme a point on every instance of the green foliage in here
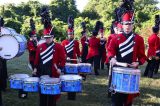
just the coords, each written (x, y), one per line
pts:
(15, 24)
(17, 16)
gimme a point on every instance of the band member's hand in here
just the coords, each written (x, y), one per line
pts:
(156, 57)
(59, 71)
(113, 61)
(80, 60)
(134, 64)
(68, 58)
(34, 71)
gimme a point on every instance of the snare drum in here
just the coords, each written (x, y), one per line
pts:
(50, 86)
(71, 68)
(71, 83)
(45, 77)
(125, 80)
(84, 67)
(31, 84)
(16, 80)
(12, 46)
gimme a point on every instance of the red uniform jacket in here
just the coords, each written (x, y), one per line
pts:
(59, 57)
(138, 48)
(32, 50)
(94, 44)
(84, 43)
(153, 42)
(76, 50)
(138, 52)
(110, 37)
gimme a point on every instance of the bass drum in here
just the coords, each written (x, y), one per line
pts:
(12, 46)
(8, 31)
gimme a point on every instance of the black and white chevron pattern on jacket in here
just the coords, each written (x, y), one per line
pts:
(47, 55)
(127, 47)
(69, 47)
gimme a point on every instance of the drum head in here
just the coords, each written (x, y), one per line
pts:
(19, 76)
(9, 31)
(10, 46)
(50, 81)
(44, 77)
(85, 64)
(70, 77)
(32, 79)
(71, 64)
(126, 70)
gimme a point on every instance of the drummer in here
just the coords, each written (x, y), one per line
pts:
(32, 44)
(50, 60)
(128, 47)
(72, 50)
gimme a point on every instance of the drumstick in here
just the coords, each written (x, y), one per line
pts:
(122, 64)
(72, 59)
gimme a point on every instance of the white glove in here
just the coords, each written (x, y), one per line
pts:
(68, 58)
(80, 60)
(113, 61)
(134, 64)
(34, 71)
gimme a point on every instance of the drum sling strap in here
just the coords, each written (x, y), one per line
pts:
(46, 60)
(69, 48)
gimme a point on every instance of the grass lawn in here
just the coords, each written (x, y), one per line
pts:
(94, 89)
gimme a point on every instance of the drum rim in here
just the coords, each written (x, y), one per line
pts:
(125, 72)
(120, 91)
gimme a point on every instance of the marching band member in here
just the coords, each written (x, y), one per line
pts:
(3, 73)
(153, 52)
(32, 44)
(93, 51)
(127, 47)
(102, 49)
(48, 55)
(84, 43)
(72, 50)
(116, 29)
(50, 60)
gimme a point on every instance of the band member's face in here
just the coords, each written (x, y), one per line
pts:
(49, 40)
(115, 30)
(127, 27)
(101, 34)
(119, 30)
(71, 36)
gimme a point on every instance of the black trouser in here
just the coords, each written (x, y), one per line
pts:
(21, 93)
(83, 57)
(0, 97)
(47, 100)
(150, 68)
(95, 61)
(101, 61)
(119, 99)
(157, 66)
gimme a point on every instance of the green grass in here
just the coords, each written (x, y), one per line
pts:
(94, 89)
